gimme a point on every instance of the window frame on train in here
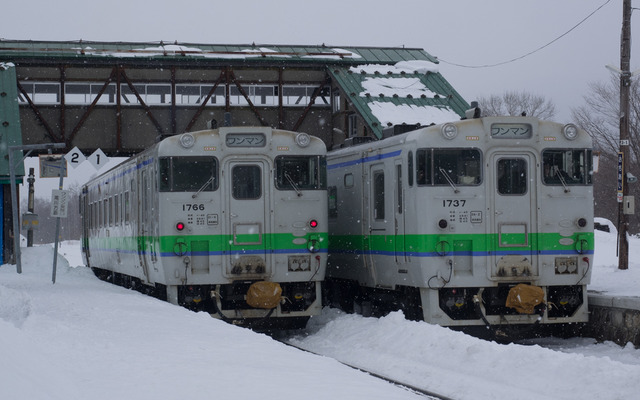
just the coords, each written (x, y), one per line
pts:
(306, 172)
(575, 166)
(430, 160)
(171, 166)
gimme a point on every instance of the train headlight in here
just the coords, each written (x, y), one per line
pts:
(303, 139)
(570, 131)
(449, 131)
(187, 140)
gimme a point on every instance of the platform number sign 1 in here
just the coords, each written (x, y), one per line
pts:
(75, 157)
(98, 159)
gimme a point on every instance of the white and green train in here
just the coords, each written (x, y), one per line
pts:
(479, 222)
(232, 221)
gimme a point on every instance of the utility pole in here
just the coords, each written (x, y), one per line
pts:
(623, 154)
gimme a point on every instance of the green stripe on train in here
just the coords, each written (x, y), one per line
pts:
(446, 243)
(216, 243)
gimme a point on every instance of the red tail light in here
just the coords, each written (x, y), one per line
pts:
(313, 223)
(179, 226)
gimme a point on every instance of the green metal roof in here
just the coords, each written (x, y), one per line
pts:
(11, 49)
(403, 97)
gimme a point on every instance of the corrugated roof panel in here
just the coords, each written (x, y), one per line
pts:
(399, 97)
(300, 54)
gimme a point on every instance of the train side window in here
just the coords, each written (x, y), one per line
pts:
(116, 207)
(378, 195)
(105, 213)
(90, 218)
(99, 214)
(247, 182)
(399, 188)
(512, 176)
(410, 168)
(127, 208)
(111, 212)
(348, 180)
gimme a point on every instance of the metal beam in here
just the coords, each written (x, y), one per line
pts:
(35, 109)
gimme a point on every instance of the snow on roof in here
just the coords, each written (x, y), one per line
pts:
(403, 87)
(412, 66)
(393, 114)
(172, 49)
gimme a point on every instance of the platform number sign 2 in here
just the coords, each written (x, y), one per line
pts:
(75, 157)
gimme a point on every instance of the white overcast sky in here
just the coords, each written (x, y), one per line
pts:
(468, 32)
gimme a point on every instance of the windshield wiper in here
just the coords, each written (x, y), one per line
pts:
(210, 180)
(286, 175)
(564, 183)
(448, 178)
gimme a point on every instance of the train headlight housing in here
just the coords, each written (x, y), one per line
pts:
(449, 131)
(570, 131)
(187, 140)
(303, 139)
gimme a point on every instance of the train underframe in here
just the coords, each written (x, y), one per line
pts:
(297, 302)
(480, 311)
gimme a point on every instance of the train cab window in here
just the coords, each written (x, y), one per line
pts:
(247, 182)
(440, 167)
(564, 167)
(300, 173)
(188, 174)
(512, 176)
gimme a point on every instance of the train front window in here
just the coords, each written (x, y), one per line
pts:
(247, 182)
(301, 173)
(441, 167)
(512, 176)
(567, 167)
(188, 174)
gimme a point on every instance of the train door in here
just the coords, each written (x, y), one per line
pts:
(248, 199)
(377, 204)
(144, 209)
(399, 240)
(514, 215)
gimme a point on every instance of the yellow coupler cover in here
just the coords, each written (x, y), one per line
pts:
(264, 294)
(524, 298)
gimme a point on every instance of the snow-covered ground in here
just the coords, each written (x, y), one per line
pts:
(82, 338)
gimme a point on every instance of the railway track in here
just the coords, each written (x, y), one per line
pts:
(428, 394)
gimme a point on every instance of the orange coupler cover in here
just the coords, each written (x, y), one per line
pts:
(524, 298)
(264, 295)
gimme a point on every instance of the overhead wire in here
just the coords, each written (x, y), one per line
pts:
(531, 52)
